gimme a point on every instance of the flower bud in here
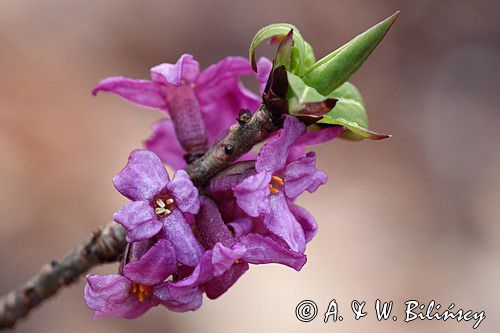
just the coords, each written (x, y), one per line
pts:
(278, 32)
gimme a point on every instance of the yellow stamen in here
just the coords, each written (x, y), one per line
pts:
(273, 189)
(169, 201)
(275, 184)
(141, 291)
(278, 180)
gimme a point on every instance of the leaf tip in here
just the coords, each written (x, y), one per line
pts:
(378, 136)
(391, 19)
(387, 24)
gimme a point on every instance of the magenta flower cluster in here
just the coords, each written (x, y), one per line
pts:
(182, 244)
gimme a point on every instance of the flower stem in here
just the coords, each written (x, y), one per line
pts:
(184, 110)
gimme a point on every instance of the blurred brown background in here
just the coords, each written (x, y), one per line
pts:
(413, 217)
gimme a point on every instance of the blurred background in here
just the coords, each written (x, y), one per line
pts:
(413, 217)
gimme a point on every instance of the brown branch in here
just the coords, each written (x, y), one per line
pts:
(240, 140)
(108, 244)
(105, 245)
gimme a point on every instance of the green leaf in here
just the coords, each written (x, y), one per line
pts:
(301, 92)
(333, 70)
(280, 30)
(304, 100)
(350, 112)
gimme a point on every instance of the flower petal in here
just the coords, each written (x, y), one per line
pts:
(241, 226)
(229, 68)
(229, 209)
(253, 192)
(220, 106)
(210, 228)
(131, 308)
(250, 156)
(281, 222)
(164, 143)
(202, 273)
(184, 192)
(263, 250)
(221, 187)
(305, 219)
(139, 219)
(302, 175)
(105, 291)
(178, 299)
(110, 295)
(219, 285)
(222, 95)
(154, 266)
(224, 257)
(142, 92)
(135, 250)
(178, 232)
(186, 69)
(273, 155)
(143, 177)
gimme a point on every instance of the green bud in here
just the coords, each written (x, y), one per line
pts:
(333, 70)
(279, 31)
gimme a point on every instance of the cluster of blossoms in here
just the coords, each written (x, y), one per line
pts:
(183, 240)
(182, 243)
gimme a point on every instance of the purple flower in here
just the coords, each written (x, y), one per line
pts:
(277, 182)
(200, 105)
(158, 205)
(218, 114)
(141, 286)
(227, 257)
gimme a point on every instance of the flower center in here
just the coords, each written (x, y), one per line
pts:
(163, 205)
(141, 291)
(276, 184)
